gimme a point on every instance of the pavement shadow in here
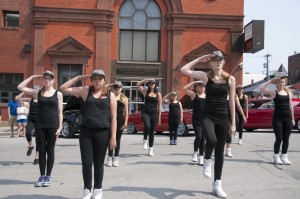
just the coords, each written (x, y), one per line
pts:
(34, 197)
(159, 193)
(168, 163)
(10, 163)
(13, 182)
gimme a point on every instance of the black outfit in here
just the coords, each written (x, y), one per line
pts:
(150, 117)
(47, 123)
(173, 119)
(31, 121)
(120, 122)
(198, 107)
(282, 122)
(240, 119)
(215, 123)
(93, 138)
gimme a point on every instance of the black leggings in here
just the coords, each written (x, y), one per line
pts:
(199, 142)
(149, 121)
(282, 127)
(215, 129)
(46, 139)
(30, 126)
(239, 124)
(93, 145)
(173, 127)
(118, 138)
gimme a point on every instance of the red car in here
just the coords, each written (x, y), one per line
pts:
(261, 111)
(135, 123)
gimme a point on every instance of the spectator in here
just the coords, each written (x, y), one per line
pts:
(22, 112)
(12, 110)
(261, 96)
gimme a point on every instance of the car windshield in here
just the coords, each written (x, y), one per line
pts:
(260, 104)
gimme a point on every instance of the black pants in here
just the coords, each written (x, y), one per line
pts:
(118, 138)
(215, 128)
(150, 122)
(30, 126)
(173, 127)
(282, 127)
(239, 124)
(46, 139)
(93, 145)
(199, 142)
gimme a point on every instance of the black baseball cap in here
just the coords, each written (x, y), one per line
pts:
(98, 72)
(48, 73)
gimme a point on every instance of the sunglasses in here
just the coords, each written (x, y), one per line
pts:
(215, 59)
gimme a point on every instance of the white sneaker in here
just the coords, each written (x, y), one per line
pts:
(115, 161)
(97, 194)
(228, 153)
(285, 160)
(195, 157)
(151, 153)
(240, 142)
(277, 159)
(109, 161)
(145, 144)
(200, 160)
(218, 190)
(87, 194)
(207, 168)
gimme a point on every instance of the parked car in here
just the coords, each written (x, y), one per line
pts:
(260, 113)
(71, 111)
(135, 123)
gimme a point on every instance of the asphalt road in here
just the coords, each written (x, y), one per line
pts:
(169, 174)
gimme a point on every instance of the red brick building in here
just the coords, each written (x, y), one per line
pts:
(129, 40)
(294, 71)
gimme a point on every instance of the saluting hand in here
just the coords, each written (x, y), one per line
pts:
(83, 77)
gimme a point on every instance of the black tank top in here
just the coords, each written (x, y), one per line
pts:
(174, 112)
(282, 105)
(151, 103)
(198, 107)
(47, 116)
(96, 112)
(243, 102)
(120, 110)
(33, 110)
(216, 98)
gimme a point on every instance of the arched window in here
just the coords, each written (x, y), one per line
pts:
(139, 24)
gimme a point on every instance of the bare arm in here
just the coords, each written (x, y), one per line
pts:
(60, 115)
(113, 123)
(126, 114)
(68, 88)
(263, 88)
(232, 103)
(166, 98)
(140, 86)
(246, 106)
(292, 111)
(23, 86)
(187, 69)
(159, 107)
(181, 112)
(239, 108)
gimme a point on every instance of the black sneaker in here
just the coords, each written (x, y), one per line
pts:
(36, 161)
(29, 151)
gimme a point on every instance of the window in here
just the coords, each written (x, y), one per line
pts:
(139, 24)
(11, 19)
(2, 78)
(17, 78)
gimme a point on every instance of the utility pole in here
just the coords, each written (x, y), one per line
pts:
(267, 65)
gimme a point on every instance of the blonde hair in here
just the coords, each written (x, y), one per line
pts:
(123, 98)
(211, 75)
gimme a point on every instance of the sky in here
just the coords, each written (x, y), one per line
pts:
(282, 32)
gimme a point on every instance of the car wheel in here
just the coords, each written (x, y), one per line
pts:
(182, 129)
(159, 132)
(66, 130)
(298, 125)
(249, 130)
(131, 128)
